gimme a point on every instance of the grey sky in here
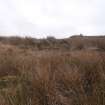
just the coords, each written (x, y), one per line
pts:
(60, 18)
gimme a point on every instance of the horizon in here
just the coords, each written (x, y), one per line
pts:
(29, 36)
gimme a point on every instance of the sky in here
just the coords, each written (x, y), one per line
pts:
(58, 18)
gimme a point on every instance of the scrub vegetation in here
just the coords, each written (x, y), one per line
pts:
(52, 71)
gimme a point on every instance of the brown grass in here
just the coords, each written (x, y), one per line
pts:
(51, 77)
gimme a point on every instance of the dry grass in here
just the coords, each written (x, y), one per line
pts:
(30, 77)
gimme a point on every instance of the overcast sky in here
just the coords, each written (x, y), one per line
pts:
(59, 18)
